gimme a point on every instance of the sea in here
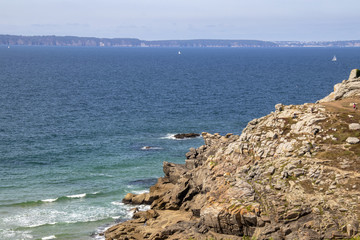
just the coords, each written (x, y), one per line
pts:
(80, 127)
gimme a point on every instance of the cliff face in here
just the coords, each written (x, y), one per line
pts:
(293, 174)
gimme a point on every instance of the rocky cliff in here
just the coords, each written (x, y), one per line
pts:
(293, 174)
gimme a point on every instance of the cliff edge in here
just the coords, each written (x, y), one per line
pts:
(293, 174)
(345, 89)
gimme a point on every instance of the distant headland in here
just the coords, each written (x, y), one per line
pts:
(18, 40)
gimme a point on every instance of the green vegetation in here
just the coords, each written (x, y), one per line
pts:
(212, 163)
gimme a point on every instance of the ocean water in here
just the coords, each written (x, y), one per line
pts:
(74, 121)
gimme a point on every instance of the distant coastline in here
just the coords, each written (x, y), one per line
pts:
(19, 40)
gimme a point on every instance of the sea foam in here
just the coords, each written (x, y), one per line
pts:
(151, 148)
(77, 195)
(117, 203)
(170, 136)
(48, 237)
(49, 200)
(140, 191)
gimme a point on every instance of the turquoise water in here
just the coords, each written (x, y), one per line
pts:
(74, 121)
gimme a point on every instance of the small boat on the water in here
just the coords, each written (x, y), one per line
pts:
(179, 52)
(334, 59)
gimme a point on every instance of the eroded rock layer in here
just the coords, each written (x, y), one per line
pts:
(293, 174)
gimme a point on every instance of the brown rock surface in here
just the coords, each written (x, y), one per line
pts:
(284, 177)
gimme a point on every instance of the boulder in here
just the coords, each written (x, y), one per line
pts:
(355, 73)
(352, 140)
(354, 126)
(128, 198)
(137, 199)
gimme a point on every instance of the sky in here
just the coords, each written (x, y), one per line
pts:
(269, 20)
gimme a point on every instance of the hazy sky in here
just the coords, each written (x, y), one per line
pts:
(184, 19)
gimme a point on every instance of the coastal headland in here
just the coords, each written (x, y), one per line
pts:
(74, 41)
(292, 174)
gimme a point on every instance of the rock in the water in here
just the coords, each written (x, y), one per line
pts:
(352, 140)
(186, 135)
(128, 198)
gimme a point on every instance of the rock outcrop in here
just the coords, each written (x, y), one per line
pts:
(347, 88)
(292, 174)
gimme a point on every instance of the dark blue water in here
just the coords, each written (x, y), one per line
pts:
(73, 121)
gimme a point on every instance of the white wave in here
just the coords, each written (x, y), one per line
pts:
(151, 148)
(11, 234)
(41, 224)
(117, 203)
(140, 191)
(43, 215)
(49, 200)
(130, 209)
(99, 237)
(99, 234)
(48, 237)
(144, 207)
(170, 136)
(116, 217)
(102, 175)
(77, 195)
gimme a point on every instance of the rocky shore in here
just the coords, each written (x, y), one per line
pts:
(293, 174)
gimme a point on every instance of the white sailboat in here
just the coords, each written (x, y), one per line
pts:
(334, 59)
(179, 52)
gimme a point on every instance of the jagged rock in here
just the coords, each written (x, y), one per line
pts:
(250, 219)
(282, 178)
(191, 154)
(346, 88)
(279, 107)
(173, 171)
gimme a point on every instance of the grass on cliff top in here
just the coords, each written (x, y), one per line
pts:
(341, 114)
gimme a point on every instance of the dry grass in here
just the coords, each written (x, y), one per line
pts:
(341, 114)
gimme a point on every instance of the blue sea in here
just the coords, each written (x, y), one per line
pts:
(74, 121)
